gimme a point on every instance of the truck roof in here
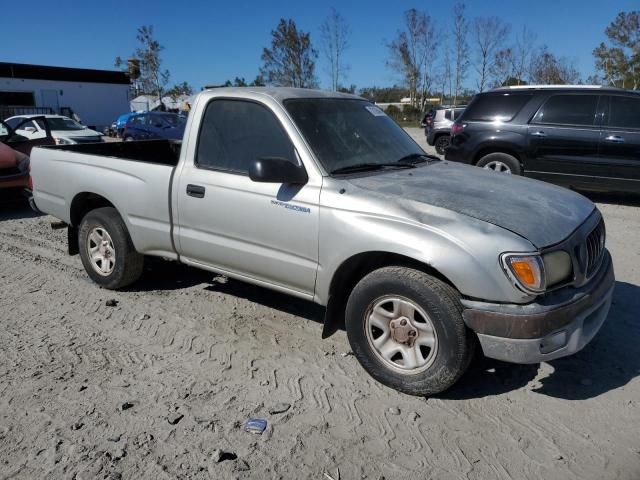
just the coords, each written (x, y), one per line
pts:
(284, 93)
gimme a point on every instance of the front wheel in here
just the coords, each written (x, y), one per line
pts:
(405, 327)
(106, 250)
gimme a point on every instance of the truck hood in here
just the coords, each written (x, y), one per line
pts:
(542, 213)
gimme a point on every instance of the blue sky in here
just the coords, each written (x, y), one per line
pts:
(209, 41)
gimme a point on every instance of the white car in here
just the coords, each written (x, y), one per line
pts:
(64, 130)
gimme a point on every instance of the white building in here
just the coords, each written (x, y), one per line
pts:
(97, 97)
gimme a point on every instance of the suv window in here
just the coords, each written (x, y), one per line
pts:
(496, 107)
(234, 133)
(447, 114)
(568, 110)
(624, 112)
(25, 125)
(136, 121)
(13, 122)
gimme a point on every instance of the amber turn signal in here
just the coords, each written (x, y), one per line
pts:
(527, 271)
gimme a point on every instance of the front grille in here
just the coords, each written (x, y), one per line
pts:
(595, 248)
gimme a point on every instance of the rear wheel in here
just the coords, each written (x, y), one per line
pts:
(406, 329)
(106, 250)
(442, 143)
(500, 163)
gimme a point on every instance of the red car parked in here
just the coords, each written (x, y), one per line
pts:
(14, 155)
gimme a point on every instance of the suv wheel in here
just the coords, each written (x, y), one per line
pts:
(442, 142)
(406, 329)
(501, 163)
(106, 250)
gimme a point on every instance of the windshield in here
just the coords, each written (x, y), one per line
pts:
(57, 123)
(345, 133)
(167, 120)
(175, 120)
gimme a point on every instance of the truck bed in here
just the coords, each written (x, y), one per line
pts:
(134, 177)
(163, 152)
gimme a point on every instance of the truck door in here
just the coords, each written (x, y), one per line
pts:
(563, 138)
(265, 232)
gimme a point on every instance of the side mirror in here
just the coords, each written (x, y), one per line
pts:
(277, 170)
(30, 129)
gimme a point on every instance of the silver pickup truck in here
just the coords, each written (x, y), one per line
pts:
(322, 196)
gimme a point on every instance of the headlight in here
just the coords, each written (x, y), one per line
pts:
(534, 273)
(557, 267)
(527, 270)
(63, 141)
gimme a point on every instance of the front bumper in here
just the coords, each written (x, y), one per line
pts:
(559, 325)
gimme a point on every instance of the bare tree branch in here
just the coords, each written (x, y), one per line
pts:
(489, 33)
(335, 35)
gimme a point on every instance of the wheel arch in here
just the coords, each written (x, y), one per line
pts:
(352, 270)
(488, 149)
(439, 135)
(82, 204)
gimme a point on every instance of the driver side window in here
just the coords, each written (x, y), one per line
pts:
(234, 133)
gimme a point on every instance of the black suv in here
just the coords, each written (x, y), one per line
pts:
(577, 136)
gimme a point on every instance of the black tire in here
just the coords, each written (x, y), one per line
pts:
(128, 263)
(441, 302)
(442, 143)
(511, 162)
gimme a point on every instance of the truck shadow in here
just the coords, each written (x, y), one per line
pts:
(14, 206)
(164, 275)
(610, 361)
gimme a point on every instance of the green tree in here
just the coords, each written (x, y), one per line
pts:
(237, 82)
(153, 79)
(619, 60)
(258, 82)
(180, 89)
(290, 62)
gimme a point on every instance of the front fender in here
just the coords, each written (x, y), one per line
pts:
(464, 250)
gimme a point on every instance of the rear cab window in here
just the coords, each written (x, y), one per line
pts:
(495, 107)
(568, 109)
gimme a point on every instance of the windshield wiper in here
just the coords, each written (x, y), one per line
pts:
(369, 167)
(414, 158)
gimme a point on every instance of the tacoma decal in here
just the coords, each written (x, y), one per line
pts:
(290, 206)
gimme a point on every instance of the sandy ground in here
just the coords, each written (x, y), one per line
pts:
(156, 384)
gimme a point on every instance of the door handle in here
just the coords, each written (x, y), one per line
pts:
(538, 133)
(195, 191)
(614, 139)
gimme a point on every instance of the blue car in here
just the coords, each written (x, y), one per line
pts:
(120, 123)
(154, 126)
